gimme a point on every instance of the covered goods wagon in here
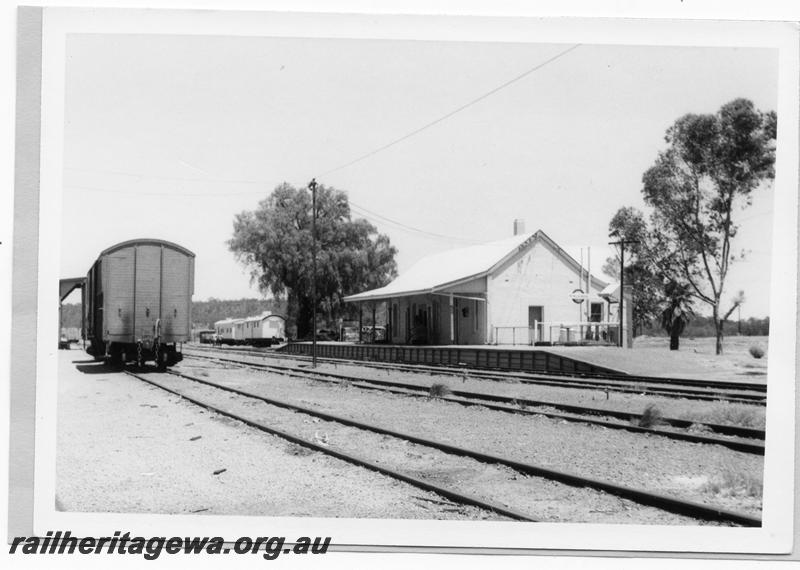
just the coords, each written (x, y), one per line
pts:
(138, 302)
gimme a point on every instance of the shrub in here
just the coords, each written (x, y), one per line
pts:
(756, 351)
(439, 390)
(733, 482)
(651, 417)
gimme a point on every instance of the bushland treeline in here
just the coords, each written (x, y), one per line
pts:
(204, 313)
(700, 326)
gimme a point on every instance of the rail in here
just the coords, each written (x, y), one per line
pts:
(558, 333)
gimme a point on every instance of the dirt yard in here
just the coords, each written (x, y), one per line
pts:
(696, 358)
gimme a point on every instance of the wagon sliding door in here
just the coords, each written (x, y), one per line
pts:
(117, 295)
(148, 291)
(176, 298)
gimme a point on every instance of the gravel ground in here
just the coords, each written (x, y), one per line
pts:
(543, 499)
(658, 464)
(142, 450)
(694, 410)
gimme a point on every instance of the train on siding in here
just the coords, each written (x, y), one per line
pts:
(137, 302)
(265, 329)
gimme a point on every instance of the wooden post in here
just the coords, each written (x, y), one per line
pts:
(372, 334)
(452, 321)
(360, 322)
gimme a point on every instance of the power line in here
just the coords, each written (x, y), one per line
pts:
(374, 216)
(175, 194)
(158, 177)
(364, 212)
(451, 113)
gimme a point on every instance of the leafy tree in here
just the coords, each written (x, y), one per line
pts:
(630, 225)
(708, 172)
(275, 241)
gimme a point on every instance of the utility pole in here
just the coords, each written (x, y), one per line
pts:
(313, 187)
(621, 243)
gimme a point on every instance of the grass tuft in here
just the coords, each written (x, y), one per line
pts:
(732, 482)
(439, 390)
(732, 414)
(651, 417)
(756, 351)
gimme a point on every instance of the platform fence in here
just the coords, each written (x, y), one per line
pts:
(558, 333)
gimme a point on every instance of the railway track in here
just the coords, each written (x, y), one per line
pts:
(642, 497)
(734, 392)
(583, 414)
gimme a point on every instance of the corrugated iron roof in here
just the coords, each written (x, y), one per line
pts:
(445, 269)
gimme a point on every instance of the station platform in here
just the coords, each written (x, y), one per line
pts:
(532, 359)
(648, 358)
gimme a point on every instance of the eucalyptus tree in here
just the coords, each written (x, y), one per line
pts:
(275, 241)
(697, 186)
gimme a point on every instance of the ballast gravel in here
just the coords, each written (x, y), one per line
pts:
(702, 473)
(126, 447)
(631, 402)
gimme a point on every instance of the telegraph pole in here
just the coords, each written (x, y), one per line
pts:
(621, 243)
(313, 187)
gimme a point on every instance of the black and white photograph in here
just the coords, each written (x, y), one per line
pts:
(418, 281)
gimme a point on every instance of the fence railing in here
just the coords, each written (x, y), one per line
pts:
(558, 333)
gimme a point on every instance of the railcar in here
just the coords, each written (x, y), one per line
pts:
(206, 336)
(138, 302)
(262, 330)
(226, 331)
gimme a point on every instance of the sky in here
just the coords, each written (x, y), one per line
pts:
(171, 136)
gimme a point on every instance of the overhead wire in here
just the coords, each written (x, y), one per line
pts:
(451, 113)
(369, 214)
(386, 146)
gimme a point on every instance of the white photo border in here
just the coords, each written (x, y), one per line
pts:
(776, 534)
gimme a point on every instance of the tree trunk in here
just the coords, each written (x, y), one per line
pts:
(674, 340)
(718, 328)
(304, 317)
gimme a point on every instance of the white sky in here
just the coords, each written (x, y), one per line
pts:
(171, 136)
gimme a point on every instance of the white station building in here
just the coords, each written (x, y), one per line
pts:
(521, 290)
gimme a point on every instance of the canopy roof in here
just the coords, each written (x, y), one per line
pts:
(611, 293)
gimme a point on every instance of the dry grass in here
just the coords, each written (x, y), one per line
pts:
(733, 482)
(733, 414)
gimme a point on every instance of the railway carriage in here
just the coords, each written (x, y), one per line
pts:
(226, 331)
(263, 330)
(138, 302)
